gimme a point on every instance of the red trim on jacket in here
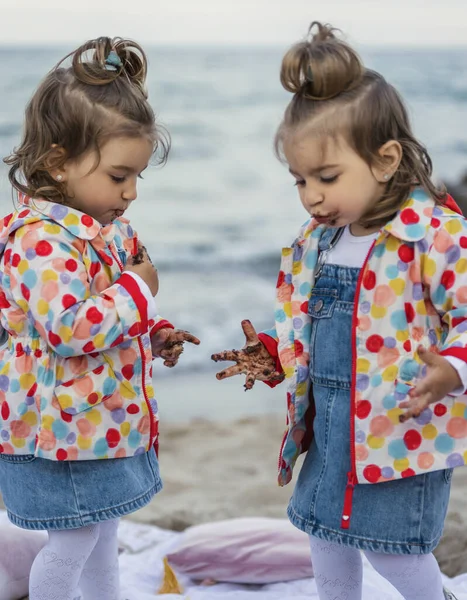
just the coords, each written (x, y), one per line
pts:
(452, 204)
(456, 352)
(132, 288)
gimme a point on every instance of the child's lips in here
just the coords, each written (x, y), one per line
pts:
(325, 218)
(119, 213)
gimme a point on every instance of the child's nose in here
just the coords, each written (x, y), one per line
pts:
(313, 197)
(130, 193)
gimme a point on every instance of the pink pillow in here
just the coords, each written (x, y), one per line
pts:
(249, 550)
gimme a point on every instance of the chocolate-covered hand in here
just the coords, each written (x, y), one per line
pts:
(253, 360)
(141, 255)
(141, 264)
(168, 343)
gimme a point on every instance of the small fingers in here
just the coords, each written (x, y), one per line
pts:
(424, 386)
(189, 337)
(250, 332)
(230, 372)
(276, 376)
(171, 357)
(171, 353)
(249, 381)
(414, 407)
(168, 345)
(231, 355)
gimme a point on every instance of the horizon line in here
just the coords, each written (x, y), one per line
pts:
(48, 45)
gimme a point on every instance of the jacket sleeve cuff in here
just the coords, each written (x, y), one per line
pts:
(271, 346)
(160, 325)
(139, 299)
(461, 368)
(456, 351)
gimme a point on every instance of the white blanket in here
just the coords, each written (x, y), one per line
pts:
(144, 547)
(141, 574)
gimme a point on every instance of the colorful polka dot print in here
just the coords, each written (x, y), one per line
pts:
(413, 291)
(75, 377)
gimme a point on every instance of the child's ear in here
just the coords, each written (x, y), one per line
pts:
(387, 163)
(55, 162)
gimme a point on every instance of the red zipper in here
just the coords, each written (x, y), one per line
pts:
(348, 497)
(143, 365)
(352, 478)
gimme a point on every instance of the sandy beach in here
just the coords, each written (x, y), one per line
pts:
(222, 466)
(225, 466)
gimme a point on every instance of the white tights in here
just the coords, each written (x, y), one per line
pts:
(78, 564)
(338, 572)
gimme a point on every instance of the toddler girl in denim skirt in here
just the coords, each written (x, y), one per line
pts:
(370, 328)
(78, 418)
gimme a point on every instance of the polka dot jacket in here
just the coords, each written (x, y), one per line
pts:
(75, 376)
(412, 290)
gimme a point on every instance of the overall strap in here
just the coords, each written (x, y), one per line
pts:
(326, 243)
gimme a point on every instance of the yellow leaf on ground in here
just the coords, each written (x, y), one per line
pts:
(170, 584)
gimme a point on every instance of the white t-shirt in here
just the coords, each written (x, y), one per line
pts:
(351, 250)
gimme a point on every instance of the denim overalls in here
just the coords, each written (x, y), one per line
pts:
(397, 517)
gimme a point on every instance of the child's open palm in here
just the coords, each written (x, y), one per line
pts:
(441, 379)
(253, 360)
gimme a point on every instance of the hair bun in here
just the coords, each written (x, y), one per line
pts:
(103, 60)
(322, 66)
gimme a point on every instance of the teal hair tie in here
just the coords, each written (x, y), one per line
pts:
(113, 62)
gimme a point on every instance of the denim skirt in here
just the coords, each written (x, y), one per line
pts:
(405, 516)
(44, 494)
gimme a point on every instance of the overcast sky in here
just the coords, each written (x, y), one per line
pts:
(382, 22)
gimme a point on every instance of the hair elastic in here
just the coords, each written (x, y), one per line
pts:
(113, 62)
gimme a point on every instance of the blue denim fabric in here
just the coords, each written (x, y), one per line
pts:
(397, 517)
(46, 494)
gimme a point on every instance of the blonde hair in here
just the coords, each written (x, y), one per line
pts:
(102, 95)
(336, 96)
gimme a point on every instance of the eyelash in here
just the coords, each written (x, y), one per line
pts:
(122, 179)
(329, 179)
(325, 180)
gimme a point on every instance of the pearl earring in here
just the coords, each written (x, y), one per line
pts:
(386, 177)
(59, 177)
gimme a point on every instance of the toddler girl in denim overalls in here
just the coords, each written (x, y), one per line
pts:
(371, 329)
